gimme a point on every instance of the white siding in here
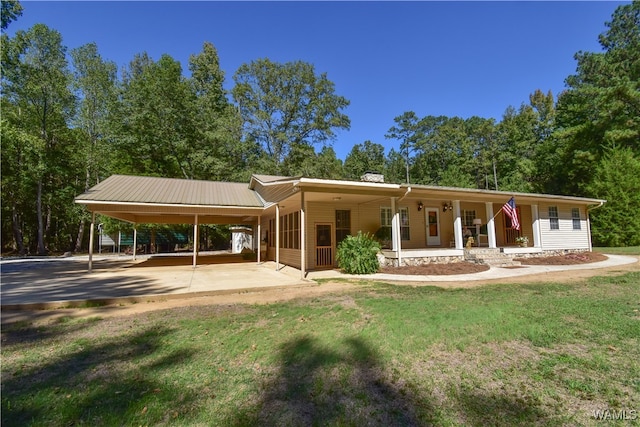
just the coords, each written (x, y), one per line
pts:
(565, 237)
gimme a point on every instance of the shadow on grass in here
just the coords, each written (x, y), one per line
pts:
(109, 383)
(320, 386)
(480, 408)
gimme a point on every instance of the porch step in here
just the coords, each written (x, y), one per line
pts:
(490, 256)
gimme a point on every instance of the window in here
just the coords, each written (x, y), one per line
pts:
(468, 217)
(343, 225)
(554, 223)
(404, 223)
(272, 233)
(386, 217)
(290, 231)
(575, 216)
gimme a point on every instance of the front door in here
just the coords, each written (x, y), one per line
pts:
(324, 246)
(433, 226)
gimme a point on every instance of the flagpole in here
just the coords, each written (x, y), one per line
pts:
(498, 213)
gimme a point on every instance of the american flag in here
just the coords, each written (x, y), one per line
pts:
(510, 209)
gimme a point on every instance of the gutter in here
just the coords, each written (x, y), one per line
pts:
(590, 208)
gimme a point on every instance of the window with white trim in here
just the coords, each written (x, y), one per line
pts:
(554, 222)
(404, 224)
(468, 217)
(272, 233)
(343, 224)
(575, 217)
(290, 231)
(386, 218)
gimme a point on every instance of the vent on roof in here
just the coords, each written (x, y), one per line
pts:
(372, 176)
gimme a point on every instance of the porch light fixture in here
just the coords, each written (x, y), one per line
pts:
(447, 207)
(420, 206)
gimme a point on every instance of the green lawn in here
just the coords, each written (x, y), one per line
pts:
(627, 250)
(545, 354)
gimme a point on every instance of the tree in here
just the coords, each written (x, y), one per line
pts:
(601, 106)
(287, 106)
(10, 10)
(406, 130)
(368, 156)
(218, 151)
(95, 83)
(36, 85)
(616, 180)
(155, 126)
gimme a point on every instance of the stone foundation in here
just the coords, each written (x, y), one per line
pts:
(416, 261)
(544, 254)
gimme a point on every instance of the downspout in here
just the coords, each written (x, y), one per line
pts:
(589, 209)
(405, 194)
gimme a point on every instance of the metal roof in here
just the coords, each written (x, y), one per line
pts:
(170, 191)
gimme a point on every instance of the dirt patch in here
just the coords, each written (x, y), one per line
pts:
(437, 269)
(568, 259)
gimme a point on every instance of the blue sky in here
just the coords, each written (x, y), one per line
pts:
(434, 58)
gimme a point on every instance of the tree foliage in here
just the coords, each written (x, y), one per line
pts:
(602, 104)
(365, 157)
(286, 107)
(65, 127)
(9, 11)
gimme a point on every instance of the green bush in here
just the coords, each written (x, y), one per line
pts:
(357, 254)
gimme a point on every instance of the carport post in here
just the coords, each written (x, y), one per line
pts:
(259, 238)
(277, 237)
(93, 221)
(303, 246)
(135, 240)
(195, 241)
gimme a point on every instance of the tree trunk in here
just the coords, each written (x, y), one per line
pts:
(17, 231)
(41, 248)
(495, 176)
(80, 236)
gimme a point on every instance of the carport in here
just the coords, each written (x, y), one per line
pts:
(153, 200)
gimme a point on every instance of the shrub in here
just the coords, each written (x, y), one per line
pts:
(384, 236)
(358, 254)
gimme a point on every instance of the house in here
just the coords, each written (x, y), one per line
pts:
(299, 221)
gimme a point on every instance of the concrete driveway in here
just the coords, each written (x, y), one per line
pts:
(65, 280)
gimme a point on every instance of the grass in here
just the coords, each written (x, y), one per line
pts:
(628, 250)
(545, 354)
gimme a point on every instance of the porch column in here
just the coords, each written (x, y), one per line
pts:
(537, 233)
(395, 231)
(259, 239)
(491, 225)
(93, 224)
(135, 240)
(277, 237)
(195, 241)
(457, 224)
(303, 243)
